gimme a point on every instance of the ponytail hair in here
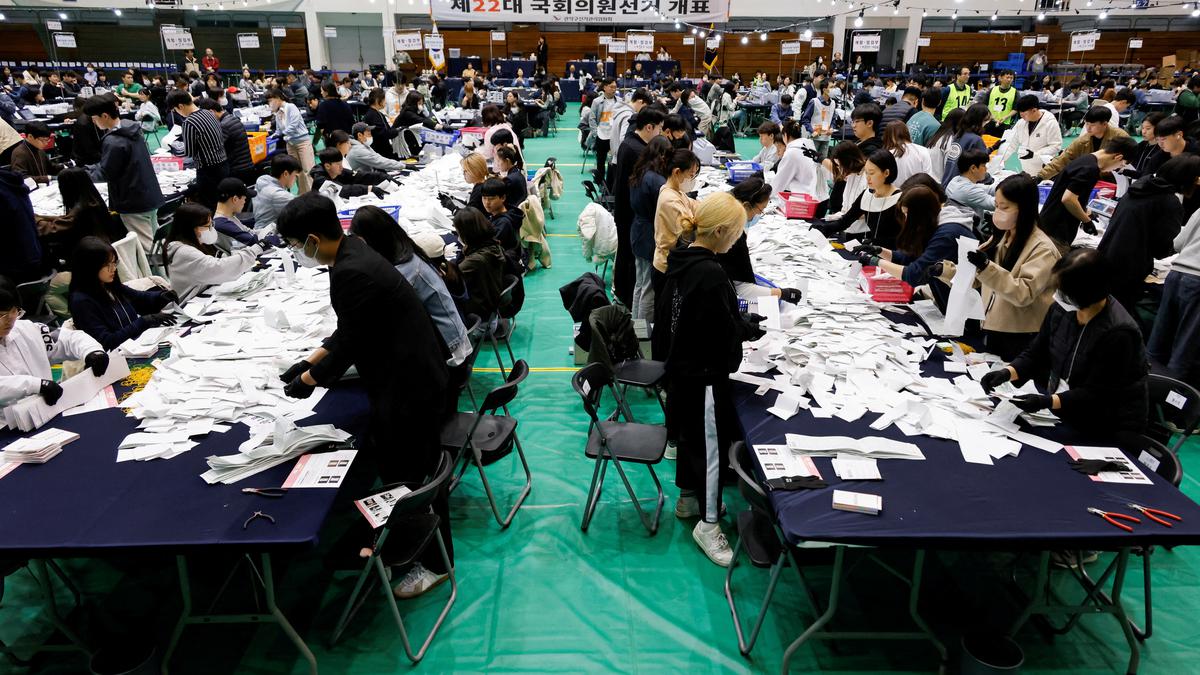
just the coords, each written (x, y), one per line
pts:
(718, 210)
(792, 129)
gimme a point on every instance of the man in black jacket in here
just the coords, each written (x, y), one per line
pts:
(133, 190)
(1090, 343)
(384, 331)
(237, 143)
(331, 168)
(646, 125)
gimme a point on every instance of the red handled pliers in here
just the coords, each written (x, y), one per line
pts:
(1111, 516)
(1153, 514)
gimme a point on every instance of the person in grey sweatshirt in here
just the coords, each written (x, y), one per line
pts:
(274, 190)
(966, 195)
(362, 157)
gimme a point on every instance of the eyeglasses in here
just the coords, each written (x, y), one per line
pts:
(12, 315)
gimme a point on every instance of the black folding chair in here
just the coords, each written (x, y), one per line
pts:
(483, 437)
(32, 295)
(1174, 409)
(476, 329)
(416, 527)
(612, 440)
(629, 367)
(504, 326)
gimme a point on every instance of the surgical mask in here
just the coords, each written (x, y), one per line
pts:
(688, 185)
(1063, 302)
(208, 236)
(303, 258)
(1004, 220)
(750, 223)
(222, 102)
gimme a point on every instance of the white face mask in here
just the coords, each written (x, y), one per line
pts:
(1004, 220)
(1062, 301)
(208, 236)
(688, 185)
(303, 258)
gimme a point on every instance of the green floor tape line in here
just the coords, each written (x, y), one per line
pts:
(543, 596)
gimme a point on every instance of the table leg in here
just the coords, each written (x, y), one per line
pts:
(269, 591)
(914, 596)
(1118, 610)
(1039, 594)
(831, 608)
(185, 612)
(42, 573)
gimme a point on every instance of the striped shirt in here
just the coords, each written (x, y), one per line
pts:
(202, 139)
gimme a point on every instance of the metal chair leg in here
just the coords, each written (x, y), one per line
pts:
(391, 599)
(745, 646)
(353, 603)
(506, 520)
(496, 351)
(593, 496)
(650, 525)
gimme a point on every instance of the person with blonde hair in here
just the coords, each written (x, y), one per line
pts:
(700, 329)
(475, 172)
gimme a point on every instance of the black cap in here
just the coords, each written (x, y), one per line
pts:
(232, 187)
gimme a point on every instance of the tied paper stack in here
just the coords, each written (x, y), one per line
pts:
(286, 441)
(38, 448)
(839, 357)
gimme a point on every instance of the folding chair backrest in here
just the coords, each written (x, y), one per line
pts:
(420, 499)
(613, 338)
(1174, 406)
(741, 462)
(131, 259)
(1169, 466)
(505, 393)
(589, 382)
(32, 295)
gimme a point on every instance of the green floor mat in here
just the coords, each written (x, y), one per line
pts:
(542, 596)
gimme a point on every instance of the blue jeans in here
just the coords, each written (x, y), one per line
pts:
(1175, 340)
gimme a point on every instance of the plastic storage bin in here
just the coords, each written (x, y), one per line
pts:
(741, 170)
(798, 205)
(886, 289)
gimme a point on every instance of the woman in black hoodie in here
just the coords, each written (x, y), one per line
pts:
(699, 327)
(1144, 225)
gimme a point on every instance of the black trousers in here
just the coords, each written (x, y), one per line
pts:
(707, 426)
(601, 160)
(207, 180)
(624, 268)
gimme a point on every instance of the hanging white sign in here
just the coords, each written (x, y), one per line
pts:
(65, 40)
(789, 48)
(617, 47)
(434, 41)
(922, 42)
(712, 43)
(54, 25)
(640, 42)
(177, 38)
(1028, 41)
(407, 41)
(247, 40)
(689, 41)
(331, 31)
(497, 36)
(866, 42)
(1084, 42)
(818, 43)
(278, 32)
(606, 12)
(1135, 43)
(606, 39)
(1043, 39)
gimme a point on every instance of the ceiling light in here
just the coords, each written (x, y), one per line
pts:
(1195, 13)
(993, 16)
(924, 13)
(1104, 15)
(954, 15)
(62, 15)
(858, 20)
(1041, 16)
(762, 36)
(693, 31)
(895, 10)
(701, 33)
(807, 33)
(1, 17)
(745, 40)
(117, 12)
(676, 24)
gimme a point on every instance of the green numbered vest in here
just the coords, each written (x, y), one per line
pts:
(957, 98)
(1000, 102)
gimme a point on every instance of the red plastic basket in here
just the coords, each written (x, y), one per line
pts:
(888, 289)
(798, 205)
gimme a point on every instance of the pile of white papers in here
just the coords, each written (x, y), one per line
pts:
(875, 447)
(286, 441)
(47, 200)
(32, 412)
(38, 448)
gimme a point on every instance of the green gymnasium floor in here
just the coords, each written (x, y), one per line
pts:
(544, 596)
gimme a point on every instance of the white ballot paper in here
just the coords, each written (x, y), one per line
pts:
(850, 467)
(1132, 477)
(32, 412)
(378, 507)
(325, 470)
(777, 461)
(964, 302)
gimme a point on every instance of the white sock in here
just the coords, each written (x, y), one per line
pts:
(707, 528)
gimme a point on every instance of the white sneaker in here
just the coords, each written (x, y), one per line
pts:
(417, 581)
(712, 541)
(689, 507)
(671, 451)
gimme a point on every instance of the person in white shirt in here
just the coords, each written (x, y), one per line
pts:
(798, 170)
(911, 159)
(27, 349)
(603, 108)
(966, 196)
(147, 113)
(191, 259)
(1037, 135)
(768, 133)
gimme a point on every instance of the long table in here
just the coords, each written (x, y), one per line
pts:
(84, 504)
(1033, 502)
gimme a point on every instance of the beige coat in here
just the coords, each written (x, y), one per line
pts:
(673, 205)
(1080, 147)
(1017, 301)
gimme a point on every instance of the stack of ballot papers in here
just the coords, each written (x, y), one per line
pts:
(285, 441)
(32, 412)
(874, 447)
(38, 448)
(838, 356)
(857, 502)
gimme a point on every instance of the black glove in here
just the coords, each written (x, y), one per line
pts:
(796, 483)
(791, 295)
(170, 296)
(50, 391)
(378, 192)
(297, 389)
(1026, 154)
(1032, 402)
(273, 240)
(1089, 227)
(935, 270)
(978, 258)
(161, 319)
(754, 332)
(97, 361)
(295, 371)
(755, 319)
(868, 260)
(1091, 467)
(867, 248)
(994, 379)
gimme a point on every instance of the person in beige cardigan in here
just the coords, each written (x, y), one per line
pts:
(1014, 270)
(1096, 132)
(673, 209)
